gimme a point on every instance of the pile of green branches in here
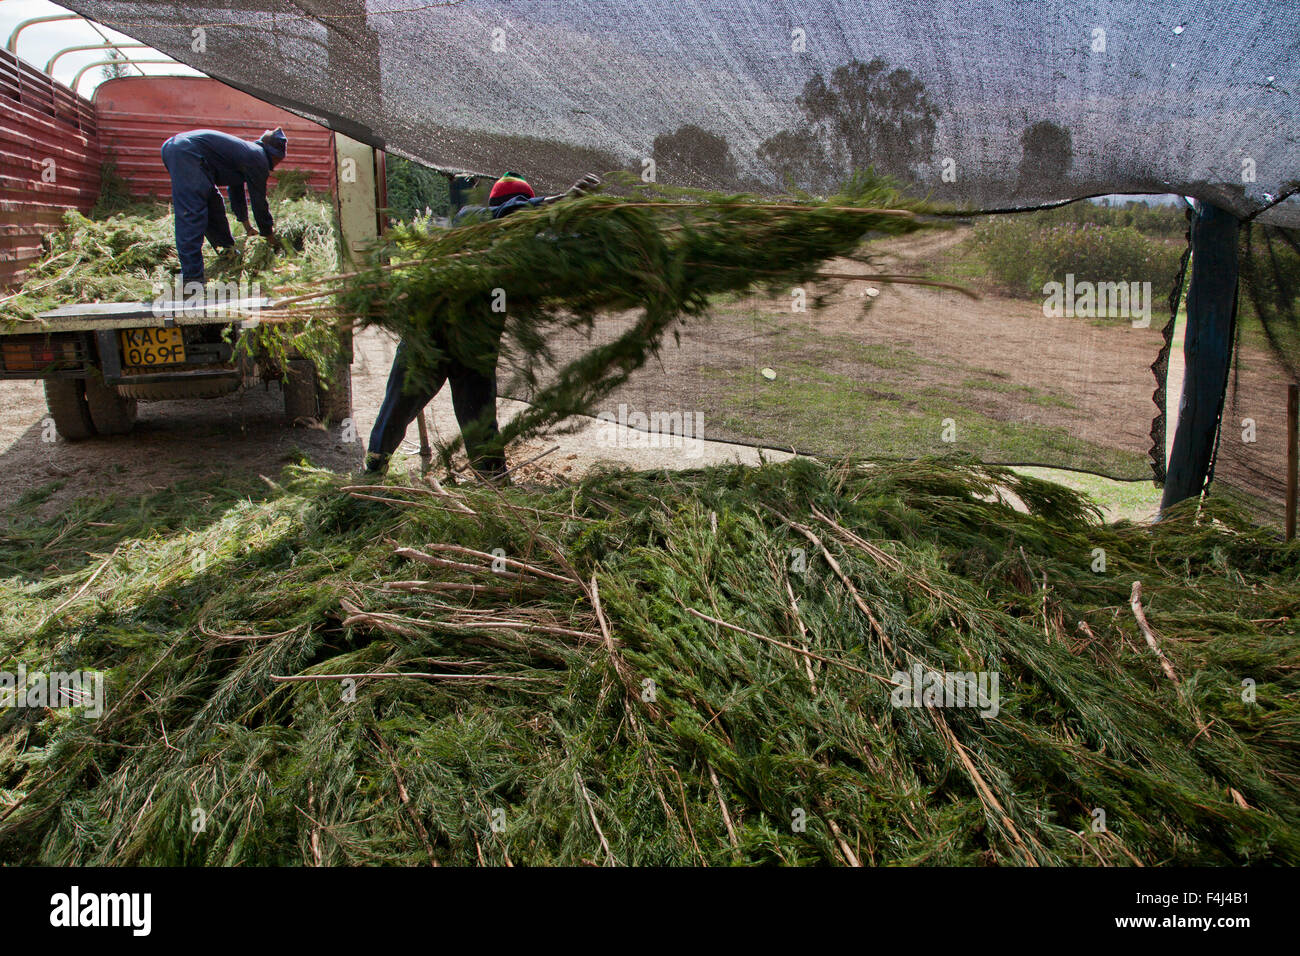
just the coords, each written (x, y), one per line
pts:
(651, 668)
(130, 256)
(125, 256)
(664, 253)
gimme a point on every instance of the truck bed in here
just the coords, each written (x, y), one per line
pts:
(142, 315)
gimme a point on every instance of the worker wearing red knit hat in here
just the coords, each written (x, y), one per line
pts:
(508, 186)
(473, 385)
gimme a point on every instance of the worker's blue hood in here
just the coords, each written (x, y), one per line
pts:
(274, 142)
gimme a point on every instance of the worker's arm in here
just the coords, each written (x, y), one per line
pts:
(261, 211)
(587, 184)
(238, 204)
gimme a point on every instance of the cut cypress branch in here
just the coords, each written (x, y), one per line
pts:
(663, 255)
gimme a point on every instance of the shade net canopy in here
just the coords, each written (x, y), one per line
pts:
(899, 371)
(1252, 449)
(980, 106)
(991, 104)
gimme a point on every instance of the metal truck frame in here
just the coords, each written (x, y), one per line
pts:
(98, 361)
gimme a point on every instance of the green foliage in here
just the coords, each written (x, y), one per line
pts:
(120, 257)
(413, 188)
(114, 192)
(1269, 263)
(1023, 252)
(130, 255)
(291, 184)
(1155, 220)
(117, 68)
(200, 595)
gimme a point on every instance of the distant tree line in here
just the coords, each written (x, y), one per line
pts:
(413, 188)
(863, 115)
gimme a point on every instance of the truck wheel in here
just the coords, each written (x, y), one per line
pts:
(213, 386)
(336, 401)
(300, 391)
(112, 413)
(66, 400)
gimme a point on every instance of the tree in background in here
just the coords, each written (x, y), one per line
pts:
(871, 116)
(1047, 153)
(799, 160)
(118, 68)
(413, 188)
(693, 156)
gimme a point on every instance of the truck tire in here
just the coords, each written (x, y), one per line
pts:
(300, 391)
(336, 401)
(66, 400)
(208, 387)
(112, 413)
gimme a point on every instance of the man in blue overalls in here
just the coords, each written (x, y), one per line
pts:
(203, 159)
(473, 379)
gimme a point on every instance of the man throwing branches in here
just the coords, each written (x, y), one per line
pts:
(473, 379)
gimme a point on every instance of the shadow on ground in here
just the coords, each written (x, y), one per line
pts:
(244, 434)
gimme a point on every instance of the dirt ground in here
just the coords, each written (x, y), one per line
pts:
(1091, 380)
(246, 433)
(1100, 367)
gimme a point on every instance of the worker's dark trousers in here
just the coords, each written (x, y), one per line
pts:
(199, 209)
(473, 396)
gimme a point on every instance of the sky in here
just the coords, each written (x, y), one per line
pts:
(38, 43)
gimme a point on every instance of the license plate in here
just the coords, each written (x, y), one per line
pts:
(145, 348)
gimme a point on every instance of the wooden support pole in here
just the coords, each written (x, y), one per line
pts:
(426, 450)
(1292, 457)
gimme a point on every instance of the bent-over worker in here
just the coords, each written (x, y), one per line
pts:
(203, 159)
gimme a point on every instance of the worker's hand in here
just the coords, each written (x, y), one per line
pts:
(587, 184)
